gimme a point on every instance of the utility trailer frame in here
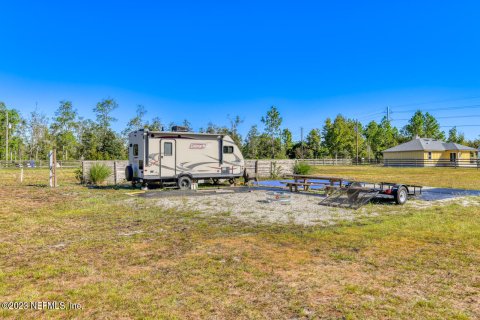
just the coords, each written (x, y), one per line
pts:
(356, 194)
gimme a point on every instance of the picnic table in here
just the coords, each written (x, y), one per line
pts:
(306, 178)
(305, 181)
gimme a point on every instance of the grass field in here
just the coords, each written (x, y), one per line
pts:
(120, 257)
(467, 178)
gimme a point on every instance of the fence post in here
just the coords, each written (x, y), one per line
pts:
(115, 172)
(83, 171)
(53, 167)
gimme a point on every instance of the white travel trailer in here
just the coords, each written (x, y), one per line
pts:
(180, 157)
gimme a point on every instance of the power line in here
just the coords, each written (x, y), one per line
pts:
(462, 125)
(452, 117)
(447, 117)
(436, 101)
(473, 106)
(369, 116)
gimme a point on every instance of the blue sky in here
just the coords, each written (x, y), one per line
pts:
(203, 60)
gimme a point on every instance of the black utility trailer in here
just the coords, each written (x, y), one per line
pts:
(346, 192)
(356, 194)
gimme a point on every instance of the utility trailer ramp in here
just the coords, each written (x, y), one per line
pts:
(351, 197)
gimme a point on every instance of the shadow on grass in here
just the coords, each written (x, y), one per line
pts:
(38, 185)
(112, 187)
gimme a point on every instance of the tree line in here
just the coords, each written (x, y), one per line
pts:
(74, 137)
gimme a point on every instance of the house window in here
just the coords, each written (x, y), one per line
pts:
(453, 157)
(167, 149)
(135, 150)
(228, 149)
(473, 157)
(429, 156)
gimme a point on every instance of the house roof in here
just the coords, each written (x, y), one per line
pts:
(426, 144)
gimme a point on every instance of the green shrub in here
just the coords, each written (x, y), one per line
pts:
(79, 175)
(276, 171)
(99, 173)
(302, 168)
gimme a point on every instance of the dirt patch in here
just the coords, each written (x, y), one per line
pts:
(28, 198)
(252, 207)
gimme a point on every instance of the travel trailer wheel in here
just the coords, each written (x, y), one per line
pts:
(231, 181)
(215, 181)
(185, 183)
(129, 173)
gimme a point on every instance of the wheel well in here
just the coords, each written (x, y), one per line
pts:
(398, 186)
(185, 175)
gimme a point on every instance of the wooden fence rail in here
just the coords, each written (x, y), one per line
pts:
(463, 163)
(39, 164)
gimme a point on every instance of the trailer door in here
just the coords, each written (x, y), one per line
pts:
(167, 158)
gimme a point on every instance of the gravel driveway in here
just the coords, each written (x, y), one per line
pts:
(303, 209)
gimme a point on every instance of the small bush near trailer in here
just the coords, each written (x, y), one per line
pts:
(302, 168)
(99, 173)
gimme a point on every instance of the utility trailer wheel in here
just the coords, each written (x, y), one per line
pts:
(184, 183)
(401, 195)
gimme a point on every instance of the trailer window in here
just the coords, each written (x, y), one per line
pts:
(167, 149)
(135, 150)
(227, 149)
(429, 156)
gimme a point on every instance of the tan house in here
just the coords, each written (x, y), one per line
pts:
(425, 152)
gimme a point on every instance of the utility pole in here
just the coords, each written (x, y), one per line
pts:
(388, 113)
(301, 135)
(6, 137)
(356, 138)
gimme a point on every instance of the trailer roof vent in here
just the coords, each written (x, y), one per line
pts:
(179, 129)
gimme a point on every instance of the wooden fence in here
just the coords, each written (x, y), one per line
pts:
(117, 167)
(466, 163)
(39, 164)
(278, 168)
(259, 168)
